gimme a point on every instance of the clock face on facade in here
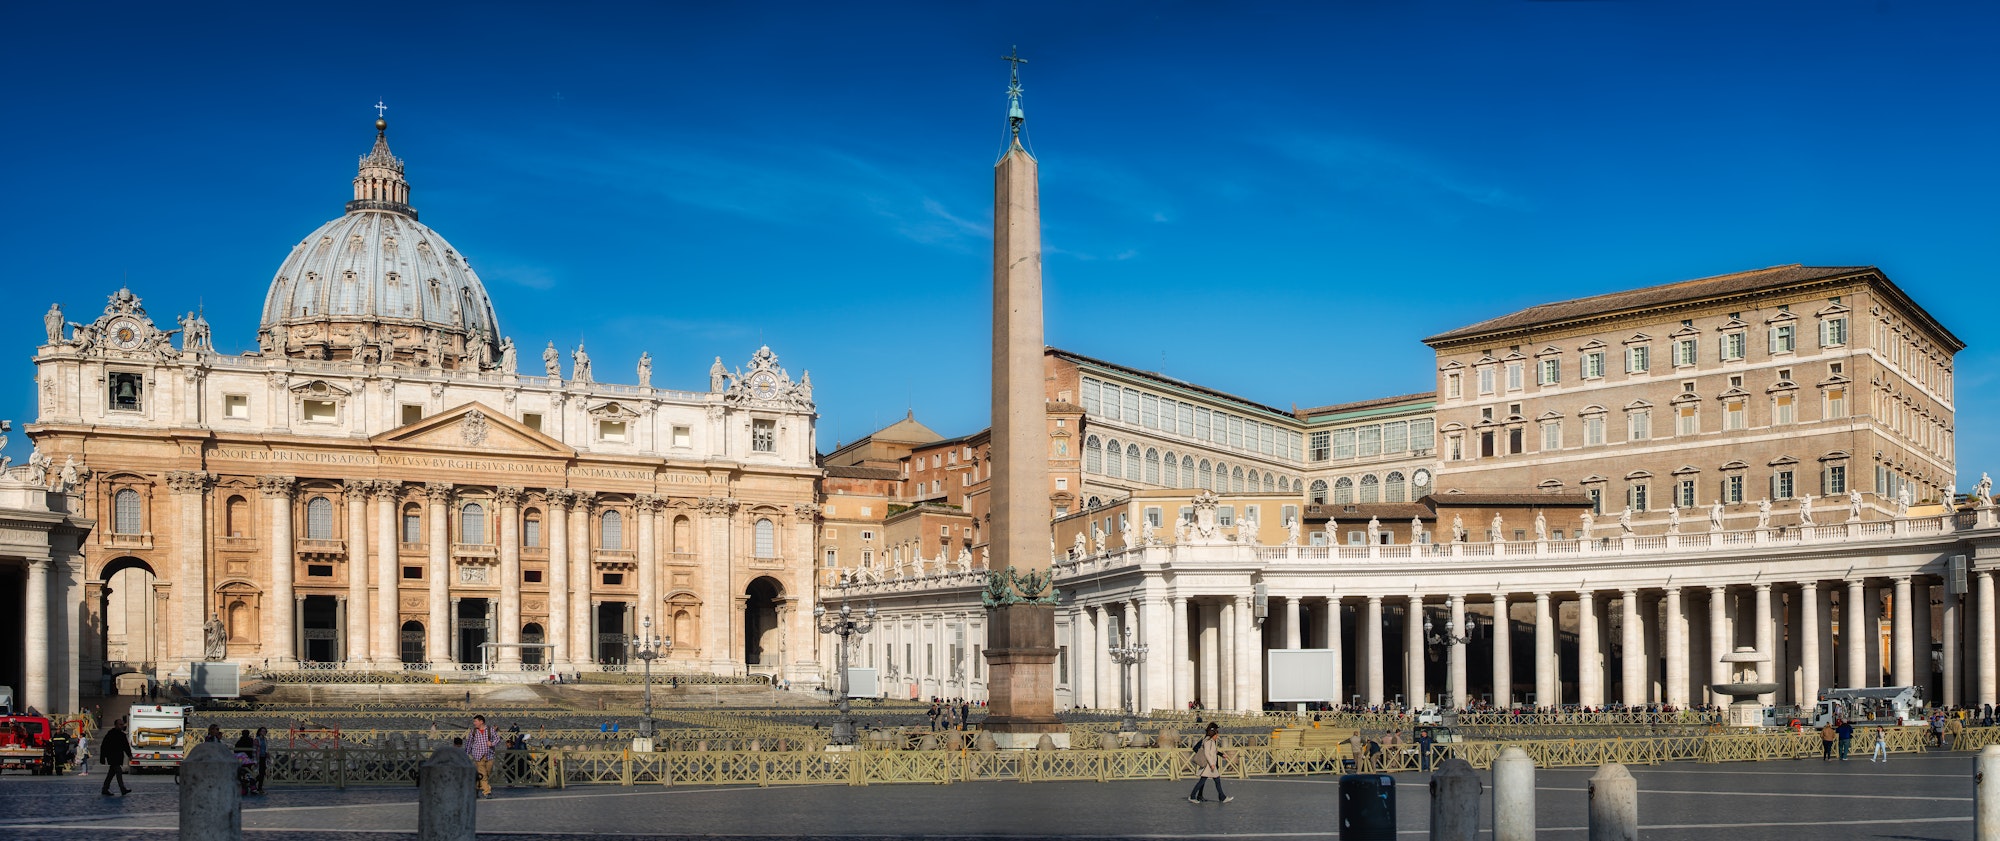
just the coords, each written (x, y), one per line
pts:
(124, 334)
(764, 385)
(1421, 478)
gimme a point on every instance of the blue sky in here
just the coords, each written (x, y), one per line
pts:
(1273, 200)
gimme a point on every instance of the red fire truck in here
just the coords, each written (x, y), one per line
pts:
(24, 742)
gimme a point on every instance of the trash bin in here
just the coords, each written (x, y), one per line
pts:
(1367, 807)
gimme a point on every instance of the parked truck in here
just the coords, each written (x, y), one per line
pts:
(1874, 706)
(24, 742)
(158, 735)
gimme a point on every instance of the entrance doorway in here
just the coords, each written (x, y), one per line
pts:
(611, 636)
(319, 625)
(760, 623)
(473, 621)
(413, 641)
(532, 632)
(127, 617)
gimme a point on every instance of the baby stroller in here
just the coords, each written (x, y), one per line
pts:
(246, 774)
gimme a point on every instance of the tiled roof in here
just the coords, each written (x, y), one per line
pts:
(1363, 405)
(841, 471)
(1652, 296)
(1400, 512)
(1492, 499)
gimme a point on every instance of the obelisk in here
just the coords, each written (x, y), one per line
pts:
(1020, 619)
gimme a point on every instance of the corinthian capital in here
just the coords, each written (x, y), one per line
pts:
(357, 490)
(806, 511)
(649, 502)
(561, 497)
(508, 495)
(190, 481)
(717, 506)
(438, 491)
(388, 488)
(277, 486)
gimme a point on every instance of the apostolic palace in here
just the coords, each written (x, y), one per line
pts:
(1594, 501)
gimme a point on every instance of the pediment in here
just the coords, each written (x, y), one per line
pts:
(1781, 317)
(1638, 404)
(1514, 357)
(613, 410)
(1781, 461)
(1453, 365)
(1686, 470)
(1638, 339)
(1833, 309)
(319, 388)
(1733, 324)
(472, 426)
(1593, 344)
(1551, 350)
(1685, 331)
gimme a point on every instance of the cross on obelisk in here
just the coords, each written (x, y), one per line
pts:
(1014, 115)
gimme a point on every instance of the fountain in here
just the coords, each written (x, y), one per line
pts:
(1744, 709)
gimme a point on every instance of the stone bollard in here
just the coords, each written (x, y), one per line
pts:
(928, 742)
(211, 804)
(1454, 801)
(446, 809)
(1614, 804)
(1107, 741)
(985, 742)
(1045, 743)
(1985, 795)
(1513, 796)
(1168, 738)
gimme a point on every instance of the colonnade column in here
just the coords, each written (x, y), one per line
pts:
(582, 642)
(1902, 645)
(1371, 632)
(508, 620)
(1925, 669)
(1182, 662)
(1632, 664)
(1086, 663)
(1455, 607)
(1984, 692)
(1766, 642)
(1413, 653)
(388, 648)
(1854, 633)
(282, 641)
(355, 614)
(1808, 643)
(1332, 636)
(1718, 641)
(1676, 648)
(1503, 654)
(1159, 671)
(1589, 653)
(1225, 655)
(1547, 679)
(1952, 644)
(35, 694)
(1210, 624)
(556, 633)
(1249, 658)
(438, 646)
(1292, 635)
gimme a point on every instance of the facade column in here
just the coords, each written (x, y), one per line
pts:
(1456, 655)
(1589, 653)
(508, 612)
(1086, 662)
(1676, 649)
(1950, 636)
(1718, 641)
(354, 614)
(438, 626)
(1809, 636)
(1632, 665)
(1829, 657)
(644, 507)
(1331, 634)
(1225, 656)
(388, 626)
(35, 695)
(1902, 645)
(283, 636)
(1872, 612)
(556, 633)
(1413, 653)
(1924, 670)
(1158, 667)
(1984, 692)
(1503, 654)
(1854, 633)
(190, 621)
(582, 619)
(1766, 641)
(1183, 663)
(1548, 678)
(1211, 671)
(718, 557)
(1371, 632)
(1249, 659)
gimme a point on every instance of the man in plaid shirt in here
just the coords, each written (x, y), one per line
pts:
(479, 746)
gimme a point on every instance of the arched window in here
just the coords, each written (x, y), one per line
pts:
(235, 516)
(319, 518)
(1343, 491)
(1236, 480)
(1170, 476)
(1093, 455)
(1392, 488)
(472, 523)
(1203, 479)
(1253, 480)
(1269, 481)
(1188, 479)
(1132, 462)
(767, 538)
(1318, 495)
(1152, 466)
(125, 512)
(413, 523)
(531, 528)
(611, 531)
(1114, 460)
(1371, 489)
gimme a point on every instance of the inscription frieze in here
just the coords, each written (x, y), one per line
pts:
(385, 460)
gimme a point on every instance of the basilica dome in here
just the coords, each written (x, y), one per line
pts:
(378, 285)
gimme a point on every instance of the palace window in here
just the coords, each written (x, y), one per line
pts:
(1688, 421)
(1593, 430)
(1551, 371)
(1371, 441)
(319, 518)
(1423, 433)
(413, 524)
(1343, 443)
(1114, 460)
(1641, 422)
(1392, 488)
(412, 413)
(1781, 485)
(766, 538)
(1395, 437)
(683, 436)
(531, 529)
(611, 531)
(1638, 359)
(126, 513)
(472, 523)
(1835, 481)
(764, 436)
(1781, 410)
(1782, 339)
(1514, 376)
(1152, 466)
(1836, 403)
(1592, 365)
(1732, 489)
(1485, 379)
(1371, 489)
(1832, 332)
(1732, 346)
(1685, 352)
(1132, 462)
(1552, 436)
(1318, 493)
(1093, 456)
(317, 411)
(1170, 473)
(1637, 496)
(612, 431)
(236, 406)
(1343, 491)
(1684, 494)
(532, 420)
(1733, 416)
(1454, 387)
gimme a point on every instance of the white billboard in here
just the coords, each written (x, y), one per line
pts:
(1301, 675)
(861, 684)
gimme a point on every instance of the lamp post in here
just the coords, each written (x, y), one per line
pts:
(844, 625)
(648, 648)
(1447, 638)
(1126, 654)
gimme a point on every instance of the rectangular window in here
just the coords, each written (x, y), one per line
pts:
(316, 411)
(1395, 436)
(1593, 430)
(413, 527)
(1291, 515)
(1485, 379)
(764, 436)
(1454, 387)
(1781, 485)
(1781, 410)
(1689, 422)
(1322, 446)
(1131, 413)
(1236, 432)
(1267, 439)
(1422, 435)
(1343, 443)
(1641, 424)
(1684, 493)
(1371, 441)
(1832, 332)
(1153, 516)
(1836, 403)
(532, 420)
(1733, 416)
(236, 406)
(1089, 396)
(1187, 419)
(1225, 515)
(1782, 339)
(1732, 346)
(1514, 445)
(683, 436)
(611, 431)
(1514, 375)
(1596, 499)
(1732, 490)
(1836, 479)
(1592, 365)
(1485, 449)
(1149, 411)
(1552, 436)
(531, 533)
(1201, 417)
(413, 572)
(1638, 359)
(1639, 497)
(1062, 483)
(1551, 371)
(412, 413)
(126, 392)
(614, 579)
(1684, 352)
(1456, 445)
(531, 576)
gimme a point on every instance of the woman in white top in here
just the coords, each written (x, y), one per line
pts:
(1881, 746)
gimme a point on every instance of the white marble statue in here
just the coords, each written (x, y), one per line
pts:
(1625, 520)
(1078, 547)
(1853, 506)
(1097, 538)
(1374, 531)
(1148, 535)
(1903, 500)
(1951, 495)
(1715, 516)
(1589, 524)
(38, 467)
(507, 355)
(1674, 520)
(1499, 530)
(1984, 491)
(1805, 510)
(1127, 536)
(1292, 532)
(645, 370)
(552, 361)
(70, 476)
(1247, 530)
(1764, 513)
(1541, 526)
(1416, 530)
(52, 323)
(717, 375)
(579, 364)
(1457, 529)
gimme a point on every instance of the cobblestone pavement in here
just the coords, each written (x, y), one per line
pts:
(1911, 798)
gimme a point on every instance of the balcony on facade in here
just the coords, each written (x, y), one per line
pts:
(321, 550)
(129, 541)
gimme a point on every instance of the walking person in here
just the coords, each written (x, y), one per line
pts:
(1845, 729)
(1827, 736)
(83, 753)
(1881, 746)
(263, 755)
(479, 746)
(115, 750)
(1208, 759)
